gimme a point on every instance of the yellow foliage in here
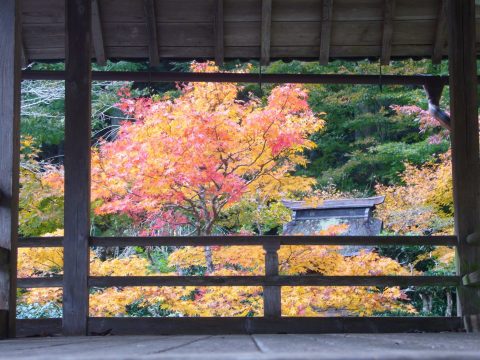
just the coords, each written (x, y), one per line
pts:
(426, 196)
(242, 301)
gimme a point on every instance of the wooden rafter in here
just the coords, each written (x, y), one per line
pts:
(24, 56)
(325, 35)
(388, 15)
(150, 16)
(266, 32)
(219, 33)
(97, 34)
(23, 51)
(440, 33)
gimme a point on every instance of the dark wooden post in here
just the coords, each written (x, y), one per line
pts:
(10, 66)
(77, 166)
(272, 306)
(465, 149)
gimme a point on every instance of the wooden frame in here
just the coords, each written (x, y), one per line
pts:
(10, 66)
(253, 325)
(271, 283)
(246, 78)
(77, 166)
(76, 242)
(465, 150)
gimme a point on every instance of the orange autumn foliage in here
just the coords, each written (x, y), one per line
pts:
(183, 161)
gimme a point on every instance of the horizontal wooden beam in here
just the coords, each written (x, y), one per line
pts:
(40, 242)
(300, 280)
(245, 78)
(246, 325)
(39, 282)
(283, 240)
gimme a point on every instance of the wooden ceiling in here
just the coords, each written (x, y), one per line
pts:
(244, 29)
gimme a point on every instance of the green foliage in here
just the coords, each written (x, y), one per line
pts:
(252, 217)
(40, 207)
(140, 308)
(39, 311)
(364, 141)
(378, 164)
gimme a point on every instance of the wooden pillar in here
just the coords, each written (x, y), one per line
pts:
(272, 304)
(77, 165)
(465, 149)
(10, 66)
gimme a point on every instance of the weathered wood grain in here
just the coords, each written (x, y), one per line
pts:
(465, 146)
(41, 282)
(36, 242)
(258, 241)
(283, 240)
(266, 32)
(219, 32)
(223, 326)
(273, 281)
(77, 166)
(326, 32)
(283, 325)
(10, 77)
(441, 31)
(150, 18)
(471, 279)
(272, 295)
(244, 78)
(387, 37)
(97, 34)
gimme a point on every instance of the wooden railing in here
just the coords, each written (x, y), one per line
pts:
(271, 282)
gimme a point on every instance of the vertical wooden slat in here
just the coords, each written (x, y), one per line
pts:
(326, 32)
(388, 15)
(23, 57)
(97, 34)
(77, 166)
(272, 304)
(440, 33)
(219, 33)
(10, 74)
(151, 18)
(465, 148)
(266, 32)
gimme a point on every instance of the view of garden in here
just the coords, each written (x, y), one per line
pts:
(176, 159)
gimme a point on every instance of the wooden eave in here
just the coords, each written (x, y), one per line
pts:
(295, 29)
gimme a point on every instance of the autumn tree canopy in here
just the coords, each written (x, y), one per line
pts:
(183, 160)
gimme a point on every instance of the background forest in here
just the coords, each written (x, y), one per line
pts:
(316, 141)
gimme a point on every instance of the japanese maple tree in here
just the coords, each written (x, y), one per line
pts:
(184, 160)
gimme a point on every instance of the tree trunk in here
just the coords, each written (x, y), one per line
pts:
(209, 259)
(427, 302)
(449, 309)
